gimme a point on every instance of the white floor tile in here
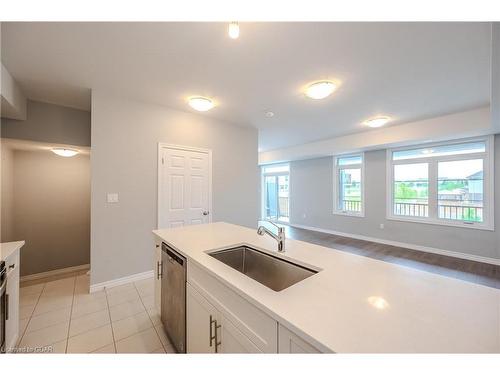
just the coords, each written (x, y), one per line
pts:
(23, 323)
(49, 319)
(167, 344)
(26, 311)
(145, 287)
(126, 309)
(131, 325)
(81, 298)
(118, 298)
(106, 349)
(59, 347)
(155, 316)
(143, 342)
(90, 307)
(45, 336)
(28, 299)
(88, 322)
(46, 304)
(120, 288)
(32, 289)
(91, 340)
(148, 301)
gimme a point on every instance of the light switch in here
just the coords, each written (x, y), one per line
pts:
(112, 197)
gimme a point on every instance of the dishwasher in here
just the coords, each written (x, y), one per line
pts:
(173, 296)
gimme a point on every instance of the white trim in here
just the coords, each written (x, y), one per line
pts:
(489, 181)
(60, 271)
(159, 176)
(426, 249)
(122, 280)
(336, 169)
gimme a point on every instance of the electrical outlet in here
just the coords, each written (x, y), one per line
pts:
(112, 197)
(304, 216)
(382, 226)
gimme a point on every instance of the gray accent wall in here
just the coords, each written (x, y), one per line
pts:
(311, 204)
(50, 123)
(51, 210)
(124, 160)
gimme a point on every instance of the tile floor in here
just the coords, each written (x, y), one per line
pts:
(60, 316)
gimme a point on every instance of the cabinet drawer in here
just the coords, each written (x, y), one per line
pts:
(261, 329)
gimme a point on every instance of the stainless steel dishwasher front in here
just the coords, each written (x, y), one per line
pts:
(173, 297)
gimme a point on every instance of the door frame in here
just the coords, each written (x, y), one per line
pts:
(162, 145)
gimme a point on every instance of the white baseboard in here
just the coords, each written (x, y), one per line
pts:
(122, 280)
(455, 254)
(60, 271)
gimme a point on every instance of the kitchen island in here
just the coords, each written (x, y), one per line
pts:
(353, 304)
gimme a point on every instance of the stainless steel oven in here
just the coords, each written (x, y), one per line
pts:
(3, 304)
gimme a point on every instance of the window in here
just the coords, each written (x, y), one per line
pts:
(275, 193)
(348, 185)
(448, 183)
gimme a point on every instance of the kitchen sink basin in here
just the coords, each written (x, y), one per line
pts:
(271, 271)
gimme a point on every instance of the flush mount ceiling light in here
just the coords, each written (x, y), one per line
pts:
(201, 103)
(66, 152)
(378, 302)
(233, 30)
(320, 89)
(269, 114)
(377, 122)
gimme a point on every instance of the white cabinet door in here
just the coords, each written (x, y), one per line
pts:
(12, 323)
(289, 342)
(200, 323)
(158, 270)
(232, 340)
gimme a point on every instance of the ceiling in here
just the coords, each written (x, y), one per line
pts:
(409, 71)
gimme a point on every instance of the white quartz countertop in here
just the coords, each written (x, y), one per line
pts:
(7, 248)
(425, 312)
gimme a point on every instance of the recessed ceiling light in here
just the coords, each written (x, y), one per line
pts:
(201, 103)
(233, 30)
(269, 114)
(66, 152)
(377, 122)
(320, 89)
(378, 302)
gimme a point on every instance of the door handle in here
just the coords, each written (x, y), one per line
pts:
(205, 213)
(7, 309)
(211, 335)
(217, 342)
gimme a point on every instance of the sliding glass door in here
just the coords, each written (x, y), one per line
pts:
(275, 198)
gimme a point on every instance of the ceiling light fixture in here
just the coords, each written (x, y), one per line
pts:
(269, 114)
(377, 122)
(201, 103)
(378, 302)
(320, 89)
(66, 152)
(233, 30)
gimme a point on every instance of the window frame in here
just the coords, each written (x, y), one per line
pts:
(433, 178)
(263, 175)
(336, 187)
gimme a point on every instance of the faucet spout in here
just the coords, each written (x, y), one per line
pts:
(280, 237)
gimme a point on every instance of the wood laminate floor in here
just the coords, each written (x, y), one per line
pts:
(476, 272)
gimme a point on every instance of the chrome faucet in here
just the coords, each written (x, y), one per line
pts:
(280, 237)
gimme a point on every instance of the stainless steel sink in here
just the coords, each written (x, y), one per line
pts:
(271, 271)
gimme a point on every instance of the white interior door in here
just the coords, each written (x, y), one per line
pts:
(184, 187)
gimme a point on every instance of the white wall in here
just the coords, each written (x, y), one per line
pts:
(13, 99)
(125, 136)
(311, 204)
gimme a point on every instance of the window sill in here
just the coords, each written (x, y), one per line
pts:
(442, 222)
(349, 213)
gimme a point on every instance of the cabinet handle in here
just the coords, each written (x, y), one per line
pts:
(217, 342)
(159, 270)
(6, 307)
(211, 335)
(11, 266)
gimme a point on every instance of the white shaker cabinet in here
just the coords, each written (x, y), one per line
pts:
(12, 322)
(289, 342)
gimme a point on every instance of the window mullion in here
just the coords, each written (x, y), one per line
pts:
(433, 189)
